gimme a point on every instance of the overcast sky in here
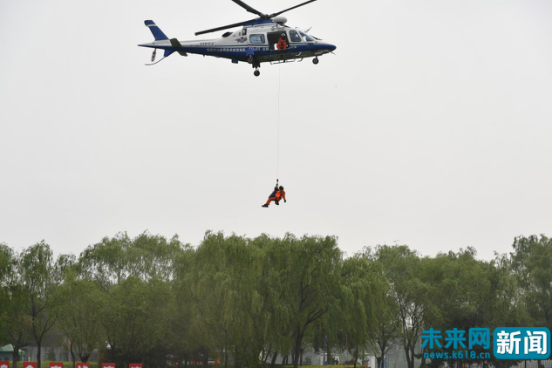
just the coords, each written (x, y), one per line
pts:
(431, 126)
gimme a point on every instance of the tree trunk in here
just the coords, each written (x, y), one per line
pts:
(16, 346)
(14, 358)
(205, 359)
(298, 342)
(15, 355)
(328, 352)
(39, 352)
(237, 358)
(381, 362)
(72, 354)
(410, 358)
(273, 362)
(267, 353)
(355, 357)
(84, 357)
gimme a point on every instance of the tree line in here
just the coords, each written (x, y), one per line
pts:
(245, 301)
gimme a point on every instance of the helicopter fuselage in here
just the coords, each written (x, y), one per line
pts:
(254, 44)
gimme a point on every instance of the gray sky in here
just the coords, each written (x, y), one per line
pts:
(431, 126)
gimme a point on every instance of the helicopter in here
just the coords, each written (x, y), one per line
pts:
(262, 39)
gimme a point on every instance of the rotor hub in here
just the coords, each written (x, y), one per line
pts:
(281, 20)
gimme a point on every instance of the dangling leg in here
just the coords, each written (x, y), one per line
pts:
(270, 199)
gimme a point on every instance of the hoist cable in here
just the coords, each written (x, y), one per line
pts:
(278, 125)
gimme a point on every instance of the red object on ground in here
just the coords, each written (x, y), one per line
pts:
(81, 365)
(56, 364)
(29, 364)
(135, 365)
(4, 364)
(108, 365)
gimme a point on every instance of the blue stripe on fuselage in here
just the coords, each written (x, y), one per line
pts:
(239, 51)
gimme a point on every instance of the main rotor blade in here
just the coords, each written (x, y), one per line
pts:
(224, 27)
(249, 8)
(294, 7)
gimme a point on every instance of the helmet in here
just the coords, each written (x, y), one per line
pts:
(283, 35)
(281, 187)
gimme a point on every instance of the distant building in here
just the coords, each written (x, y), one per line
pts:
(6, 352)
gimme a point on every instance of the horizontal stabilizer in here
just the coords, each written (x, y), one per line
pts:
(156, 31)
(176, 44)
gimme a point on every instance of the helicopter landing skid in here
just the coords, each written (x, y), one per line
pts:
(284, 61)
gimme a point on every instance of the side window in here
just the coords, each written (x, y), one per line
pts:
(257, 38)
(294, 36)
(306, 37)
(244, 32)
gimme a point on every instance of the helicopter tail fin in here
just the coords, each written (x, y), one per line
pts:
(156, 31)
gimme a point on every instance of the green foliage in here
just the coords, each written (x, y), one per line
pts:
(130, 283)
(152, 300)
(80, 300)
(39, 281)
(531, 264)
(6, 270)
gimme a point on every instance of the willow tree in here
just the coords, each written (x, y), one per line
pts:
(362, 284)
(530, 262)
(310, 274)
(232, 303)
(80, 301)
(135, 277)
(403, 269)
(17, 323)
(39, 280)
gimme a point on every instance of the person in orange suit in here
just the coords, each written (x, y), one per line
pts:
(282, 43)
(280, 194)
(277, 195)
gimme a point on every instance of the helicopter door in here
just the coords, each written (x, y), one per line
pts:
(274, 37)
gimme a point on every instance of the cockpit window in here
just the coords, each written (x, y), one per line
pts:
(226, 34)
(257, 38)
(294, 36)
(306, 37)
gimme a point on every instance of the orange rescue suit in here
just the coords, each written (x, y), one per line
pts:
(280, 195)
(282, 45)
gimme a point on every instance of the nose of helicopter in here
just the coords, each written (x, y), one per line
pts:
(329, 47)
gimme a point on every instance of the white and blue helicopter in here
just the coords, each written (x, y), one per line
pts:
(263, 39)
